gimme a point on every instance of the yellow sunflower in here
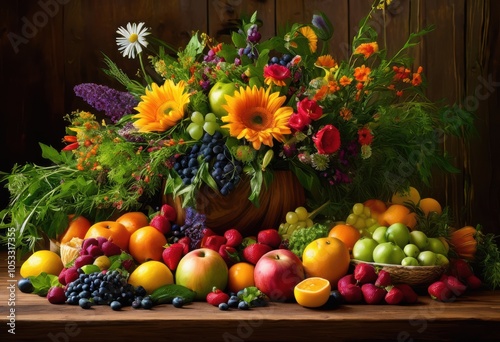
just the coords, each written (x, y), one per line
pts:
(257, 116)
(162, 107)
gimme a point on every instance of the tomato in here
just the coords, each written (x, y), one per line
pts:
(216, 97)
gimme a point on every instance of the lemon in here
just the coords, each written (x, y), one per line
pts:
(312, 292)
(41, 261)
(151, 275)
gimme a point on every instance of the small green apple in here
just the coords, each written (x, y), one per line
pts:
(363, 249)
(411, 250)
(379, 234)
(427, 258)
(399, 234)
(442, 260)
(409, 261)
(388, 253)
(419, 238)
(436, 246)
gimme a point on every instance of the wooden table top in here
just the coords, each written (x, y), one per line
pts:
(474, 316)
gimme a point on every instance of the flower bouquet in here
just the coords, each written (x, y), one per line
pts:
(221, 117)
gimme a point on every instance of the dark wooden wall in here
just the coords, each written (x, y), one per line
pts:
(49, 46)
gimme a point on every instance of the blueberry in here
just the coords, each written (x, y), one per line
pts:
(115, 305)
(146, 303)
(25, 285)
(233, 302)
(223, 306)
(84, 303)
(178, 302)
(243, 305)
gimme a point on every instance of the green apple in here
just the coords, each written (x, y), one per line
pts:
(442, 260)
(411, 250)
(379, 234)
(436, 246)
(216, 97)
(419, 238)
(201, 270)
(398, 233)
(388, 253)
(363, 249)
(409, 261)
(427, 258)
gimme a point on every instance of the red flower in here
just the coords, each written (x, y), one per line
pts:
(299, 121)
(277, 74)
(327, 140)
(365, 136)
(310, 108)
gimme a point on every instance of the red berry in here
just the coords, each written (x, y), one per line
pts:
(217, 297)
(270, 237)
(365, 273)
(394, 296)
(440, 292)
(409, 294)
(455, 285)
(473, 282)
(373, 294)
(233, 237)
(254, 252)
(56, 295)
(172, 255)
(383, 279)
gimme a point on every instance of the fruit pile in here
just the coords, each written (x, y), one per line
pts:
(141, 261)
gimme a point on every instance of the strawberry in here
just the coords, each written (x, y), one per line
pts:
(409, 295)
(186, 242)
(373, 294)
(269, 237)
(254, 252)
(208, 232)
(71, 275)
(161, 223)
(460, 269)
(351, 293)
(473, 282)
(394, 296)
(169, 212)
(440, 292)
(346, 280)
(213, 242)
(233, 237)
(365, 273)
(456, 286)
(383, 279)
(217, 297)
(229, 254)
(172, 254)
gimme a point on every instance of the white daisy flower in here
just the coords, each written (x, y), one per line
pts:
(132, 39)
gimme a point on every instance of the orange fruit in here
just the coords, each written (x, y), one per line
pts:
(412, 195)
(110, 230)
(398, 213)
(429, 205)
(327, 258)
(240, 275)
(151, 275)
(346, 233)
(133, 220)
(41, 261)
(147, 243)
(77, 227)
(312, 292)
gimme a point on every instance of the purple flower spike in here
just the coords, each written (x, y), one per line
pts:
(114, 103)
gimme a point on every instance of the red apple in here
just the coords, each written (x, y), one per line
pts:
(276, 274)
(201, 270)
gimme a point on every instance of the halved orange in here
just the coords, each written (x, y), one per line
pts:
(312, 292)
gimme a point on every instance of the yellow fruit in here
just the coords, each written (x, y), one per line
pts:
(103, 262)
(412, 196)
(151, 275)
(326, 258)
(429, 205)
(41, 261)
(312, 292)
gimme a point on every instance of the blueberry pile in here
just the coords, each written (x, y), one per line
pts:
(283, 60)
(225, 169)
(110, 288)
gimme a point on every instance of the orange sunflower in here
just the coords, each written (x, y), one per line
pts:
(257, 116)
(162, 107)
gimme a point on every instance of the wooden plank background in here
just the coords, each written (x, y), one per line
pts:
(49, 46)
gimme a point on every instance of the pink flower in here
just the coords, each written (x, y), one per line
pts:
(310, 108)
(365, 136)
(277, 74)
(299, 121)
(327, 140)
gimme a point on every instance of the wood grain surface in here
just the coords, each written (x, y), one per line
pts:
(474, 316)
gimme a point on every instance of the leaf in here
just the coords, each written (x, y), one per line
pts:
(43, 282)
(238, 40)
(50, 153)
(255, 185)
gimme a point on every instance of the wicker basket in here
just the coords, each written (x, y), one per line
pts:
(236, 211)
(411, 275)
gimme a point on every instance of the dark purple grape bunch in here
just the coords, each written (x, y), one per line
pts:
(253, 38)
